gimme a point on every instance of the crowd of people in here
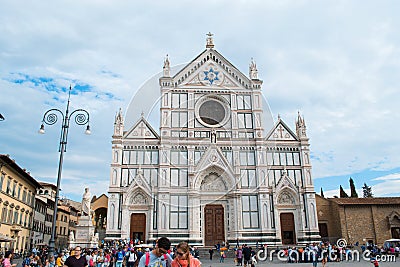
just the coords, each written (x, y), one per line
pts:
(161, 254)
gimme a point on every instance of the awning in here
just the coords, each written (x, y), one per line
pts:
(4, 238)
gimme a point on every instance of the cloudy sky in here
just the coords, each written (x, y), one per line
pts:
(337, 62)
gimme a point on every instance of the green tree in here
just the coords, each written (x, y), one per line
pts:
(367, 191)
(353, 192)
(342, 193)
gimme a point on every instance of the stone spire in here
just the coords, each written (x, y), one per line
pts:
(210, 41)
(301, 129)
(166, 68)
(119, 123)
(253, 72)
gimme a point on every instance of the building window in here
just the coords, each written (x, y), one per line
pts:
(283, 159)
(178, 212)
(8, 189)
(179, 177)
(9, 216)
(178, 157)
(228, 155)
(140, 157)
(247, 158)
(4, 215)
(248, 178)
(179, 100)
(15, 221)
(197, 156)
(243, 102)
(128, 176)
(2, 176)
(19, 191)
(250, 211)
(271, 210)
(14, 191)
(179, 119)
(245, 120)
(155, 211)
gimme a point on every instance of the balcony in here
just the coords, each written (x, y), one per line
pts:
(16, 228)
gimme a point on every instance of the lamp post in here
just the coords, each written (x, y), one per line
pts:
(1, 117)
(50, 117)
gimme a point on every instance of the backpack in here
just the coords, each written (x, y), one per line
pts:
(148, 259)
(120, 256)
(27, 261)
(131, 256)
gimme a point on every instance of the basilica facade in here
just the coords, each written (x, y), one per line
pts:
(213, 171)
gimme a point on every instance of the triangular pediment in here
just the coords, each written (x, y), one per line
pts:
(285, 182)
(139, 184)
(141, 130)
(210, 69)
(213, 156)
(281, 132)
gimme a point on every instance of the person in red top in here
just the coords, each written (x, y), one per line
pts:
(184, 258)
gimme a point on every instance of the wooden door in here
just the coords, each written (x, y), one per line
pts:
(214, 225)
(288, 229)
(138, 226)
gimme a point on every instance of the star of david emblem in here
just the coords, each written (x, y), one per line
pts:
(211, 75)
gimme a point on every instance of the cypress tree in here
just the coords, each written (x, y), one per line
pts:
(352, 188)
(322, 193)
(343, 194)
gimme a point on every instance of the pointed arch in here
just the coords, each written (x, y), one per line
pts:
(227, 178)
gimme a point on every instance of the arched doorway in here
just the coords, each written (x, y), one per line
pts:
(214, 226)
(138, 227)
(287, 229)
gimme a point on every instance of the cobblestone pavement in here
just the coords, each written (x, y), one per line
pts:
(361, 263)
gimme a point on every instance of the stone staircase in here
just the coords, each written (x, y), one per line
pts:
(204, 254)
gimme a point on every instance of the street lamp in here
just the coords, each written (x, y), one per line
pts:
(50, 117)
(1, 117)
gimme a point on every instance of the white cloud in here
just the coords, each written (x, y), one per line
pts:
(337, 66)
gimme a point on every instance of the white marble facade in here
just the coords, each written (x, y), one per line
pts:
(214, 171)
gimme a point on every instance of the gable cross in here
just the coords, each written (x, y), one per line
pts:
(281, 130)
(142, 128)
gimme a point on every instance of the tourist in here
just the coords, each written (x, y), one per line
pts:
(131, 258)
(246, 251)
(38, 261)
(239, 256)
(183, 257)
(119, 257)
(100, 259)
(27, 260)
(211, 252)
(223, 256)
(158, 256)
(7, 261)
(51, 262)
(76, 260)
(60, 261)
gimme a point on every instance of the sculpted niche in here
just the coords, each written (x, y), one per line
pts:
(213, 182)
(138, 199)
